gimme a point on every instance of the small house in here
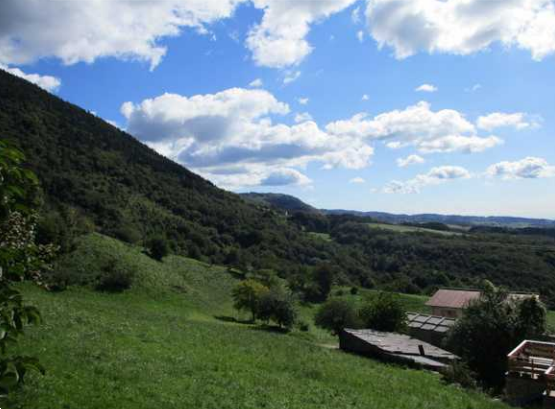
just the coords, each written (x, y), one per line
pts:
(448, 302)
(451, 302)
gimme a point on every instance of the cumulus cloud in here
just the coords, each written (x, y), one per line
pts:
(303, 117)
(462, 26)
(527, 168)
(257, 83)
(230, 138)
(365, 97)
(360, 36)
(82, 31)
(303, 101)
(430, 132)
(357, 180)
(426, 88)
(280, 38)
(285, 177)
(435, 176)
(518, 121)
(46, 82)
(410, 160)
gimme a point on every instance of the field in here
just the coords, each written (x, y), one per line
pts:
(172, 342)
(399, 228)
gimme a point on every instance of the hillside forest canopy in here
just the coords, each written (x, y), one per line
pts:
(97, 178)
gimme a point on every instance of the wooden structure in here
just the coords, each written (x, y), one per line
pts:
(429, 328)
(393, 347)
(531, 373)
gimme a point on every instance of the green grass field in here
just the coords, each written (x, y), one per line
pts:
(399, 228)
(170, 342)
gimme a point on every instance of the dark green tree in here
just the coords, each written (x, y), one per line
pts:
(383, 312)
(336, 314)
(246, 296)
(277, 305)
(158, 248)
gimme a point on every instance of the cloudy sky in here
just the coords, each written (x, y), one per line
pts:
(407, 106)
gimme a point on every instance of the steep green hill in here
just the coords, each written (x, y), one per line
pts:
(97, 177)
(169, 342)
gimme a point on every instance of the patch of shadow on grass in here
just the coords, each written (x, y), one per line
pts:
(271, 328)
(226, 318)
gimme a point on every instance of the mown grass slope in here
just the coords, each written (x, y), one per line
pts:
(166, 343)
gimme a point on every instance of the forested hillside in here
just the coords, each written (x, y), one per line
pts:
(96, 177)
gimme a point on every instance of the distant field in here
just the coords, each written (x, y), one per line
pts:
(171, 342)
(410, 229)
(321, 236)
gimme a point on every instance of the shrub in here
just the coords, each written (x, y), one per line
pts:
(303, 326)
(336, 314)
(458, 373)
(115, 279)
(354, 291)
(383, 312)
(158, 248)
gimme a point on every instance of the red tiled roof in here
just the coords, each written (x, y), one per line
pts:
(453, 298)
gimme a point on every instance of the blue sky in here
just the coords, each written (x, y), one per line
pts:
(394, 105)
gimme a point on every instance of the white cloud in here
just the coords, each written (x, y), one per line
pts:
(303, 117)
(365, 97)
(360, 36)
(426, 88)
(280, 38)
(83, 31)
(46, 82)
(527, 168)
(410, 160)
(303, 101)
(518, 121)
(435, 176)
(357, 180)
(291, 76)
(257, 83)
(462, 26)
(474, 88)
(229, 137)
(356, 15)
(430, 132)
(284, 177)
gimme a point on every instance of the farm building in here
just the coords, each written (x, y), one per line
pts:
(429, 328)
(392, 347)
(531, 373)
(448, 302)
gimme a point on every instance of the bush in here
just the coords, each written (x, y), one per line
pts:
(458, 373)
(158, 248)
(336, 314)
(354, 291)
(303, 326)
(277, 306)
(384, 312)
(115, 279)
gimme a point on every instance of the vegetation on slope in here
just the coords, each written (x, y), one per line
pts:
(170, 342)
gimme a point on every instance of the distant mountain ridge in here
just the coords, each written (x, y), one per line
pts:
(279, 201)
(500, 221)
(290, 203)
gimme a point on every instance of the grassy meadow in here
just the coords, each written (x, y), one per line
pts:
(172, 341)
(399, 228)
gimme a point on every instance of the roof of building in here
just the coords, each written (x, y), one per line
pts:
(449, 298)
(399, 344)
(429, 322)
(460, 298)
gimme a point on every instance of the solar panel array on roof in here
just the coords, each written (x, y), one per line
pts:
(429, 322)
